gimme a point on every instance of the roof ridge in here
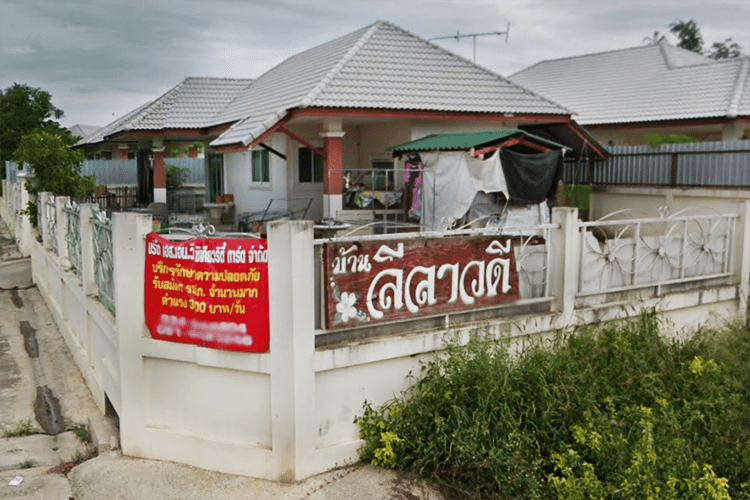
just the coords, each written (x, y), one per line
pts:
(478, 66)
(666, 55)
(581, 56)
(155, 104)
(734, 102)
(336, 69)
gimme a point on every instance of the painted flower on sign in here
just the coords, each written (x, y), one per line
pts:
(345, 307)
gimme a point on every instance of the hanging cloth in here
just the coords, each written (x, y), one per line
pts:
(532, 177)
(451, 180)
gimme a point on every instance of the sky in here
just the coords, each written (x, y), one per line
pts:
(103, 58)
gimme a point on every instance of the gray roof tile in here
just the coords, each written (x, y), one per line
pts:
(193, 103)
(648, 83)
(381, 66)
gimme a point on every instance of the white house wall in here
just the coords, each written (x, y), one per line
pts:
(250, 197)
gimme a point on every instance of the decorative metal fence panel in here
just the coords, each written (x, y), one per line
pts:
(73, 237)
(618, 255)
(715, 164)
(104, 274)
(50, 216)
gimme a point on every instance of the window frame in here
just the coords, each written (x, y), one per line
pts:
(315, 166)
(265, 173)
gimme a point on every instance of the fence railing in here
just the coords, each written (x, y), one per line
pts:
(115, 199)
(73, 236)
(410, 198)
(104, 265)
(50, 221)
(619, 255)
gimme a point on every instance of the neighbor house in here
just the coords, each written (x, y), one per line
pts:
(299, 129)
(622, 95)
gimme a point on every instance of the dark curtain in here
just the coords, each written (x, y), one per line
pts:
(532, 177)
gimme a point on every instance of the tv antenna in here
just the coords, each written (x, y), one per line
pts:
(458, 36)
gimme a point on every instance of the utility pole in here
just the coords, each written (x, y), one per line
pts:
(458, 36)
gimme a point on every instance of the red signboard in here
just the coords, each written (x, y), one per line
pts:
(382, 281)
(210, 291)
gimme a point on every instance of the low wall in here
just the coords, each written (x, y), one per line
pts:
(640, 201)
(289, 413)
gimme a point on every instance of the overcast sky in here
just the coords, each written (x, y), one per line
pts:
(102, 58)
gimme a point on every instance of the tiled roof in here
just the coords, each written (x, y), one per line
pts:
(108, 129)
(641, 84)
(82, 131)
(193, 103)
(381, 66)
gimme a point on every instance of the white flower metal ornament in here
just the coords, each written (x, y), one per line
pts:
(346, 308)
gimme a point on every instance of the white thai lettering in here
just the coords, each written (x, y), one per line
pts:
(384, 300)
(425, 291)
(454, 279)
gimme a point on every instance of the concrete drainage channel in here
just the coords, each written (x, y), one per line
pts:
(49, 421)
(46, 405)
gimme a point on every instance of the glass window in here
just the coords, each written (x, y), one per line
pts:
(260, 169)
(310, 166)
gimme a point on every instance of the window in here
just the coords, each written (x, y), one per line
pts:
(260, 171)
(310, 166)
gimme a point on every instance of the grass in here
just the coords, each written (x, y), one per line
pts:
(22, 428)
(83, 434)
(610, 412)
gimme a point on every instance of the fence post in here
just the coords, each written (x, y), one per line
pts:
(565, 261)
(129, 255)
(742, 255)
(291, 293)
(87, 248)
(62, 230)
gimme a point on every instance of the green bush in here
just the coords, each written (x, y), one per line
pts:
(578, 195)
(610, 412)
(176, 176)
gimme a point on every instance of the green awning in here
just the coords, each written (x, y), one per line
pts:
(463, 141)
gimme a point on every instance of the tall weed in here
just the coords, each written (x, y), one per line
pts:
(615, 411)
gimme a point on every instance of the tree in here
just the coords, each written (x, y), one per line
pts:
(56, 168)
(725, 50)
(655, 39)
(688, 34)
(23, 110)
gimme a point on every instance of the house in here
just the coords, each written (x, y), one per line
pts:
(299, 129)
(181, 119)
(622, 95)
(83, 131)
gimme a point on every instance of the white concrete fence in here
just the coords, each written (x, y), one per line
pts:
(288, 413)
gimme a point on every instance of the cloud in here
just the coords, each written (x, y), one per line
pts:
(98, 57)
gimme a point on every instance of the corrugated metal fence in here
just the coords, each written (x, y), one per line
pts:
(124, 172)
(715, 164)
(112, 172)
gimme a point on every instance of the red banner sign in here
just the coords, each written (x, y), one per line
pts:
(212, 292)
(377, 281)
